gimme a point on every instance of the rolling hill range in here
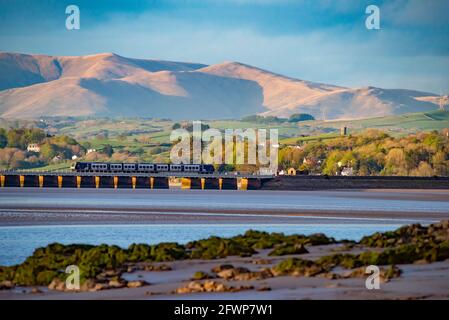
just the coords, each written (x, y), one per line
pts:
(109, 85)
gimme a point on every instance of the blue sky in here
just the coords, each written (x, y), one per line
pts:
(318, 40)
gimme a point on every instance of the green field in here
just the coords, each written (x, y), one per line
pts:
(406, 123)
(139, 139)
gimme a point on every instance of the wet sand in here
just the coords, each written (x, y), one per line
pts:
(102, 206)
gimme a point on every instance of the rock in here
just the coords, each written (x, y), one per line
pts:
(445, 224)
(241, 288)
(232, 272)
(157, 267)
(264, 288)
(117, 283)
(200, 275)
(312, 271)
(6, 285)
(261, 261)
(131, 269)
(57, 284)
(195, 286)
(99, 287)
(297, 267)
(385, 273)
(88, 285)
(111, 273)
(330, 275)
(288, 249)
(209, 286)
(222, 267)
(136, 284)
(35, 290)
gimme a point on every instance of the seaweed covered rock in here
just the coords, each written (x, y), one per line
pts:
(201, 275)
(386, 274)
(95, 262)
(244, 274)
(297, 267)
(232, 272)
(156, 267)
(410, 234)
(287, 249)
(222, 267)
(216, 247)
(265, 240)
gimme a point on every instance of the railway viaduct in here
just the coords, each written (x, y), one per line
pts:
(128, 181)
(214, 181)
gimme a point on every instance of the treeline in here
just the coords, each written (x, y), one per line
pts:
(372, 152)
(297, 117)
(14, 143)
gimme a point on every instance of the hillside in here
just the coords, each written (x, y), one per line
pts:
(32, 86)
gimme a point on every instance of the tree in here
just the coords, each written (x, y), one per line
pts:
(3, 140)
(108, 150)
(424, 170)
(14, 139)
(34, 136)
(396, 162)
(48, 151)
(331, 166)
(297, 117)
(440, 164)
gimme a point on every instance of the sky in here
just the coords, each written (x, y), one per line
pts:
(316, 40)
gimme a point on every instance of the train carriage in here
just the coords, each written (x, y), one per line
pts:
(141, 167)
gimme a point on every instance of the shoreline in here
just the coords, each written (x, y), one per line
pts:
(36, 217)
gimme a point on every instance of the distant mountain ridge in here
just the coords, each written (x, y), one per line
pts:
(32, 86)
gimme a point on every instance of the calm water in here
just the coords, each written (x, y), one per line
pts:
(425, 201)
(357, 213)
(17, 243)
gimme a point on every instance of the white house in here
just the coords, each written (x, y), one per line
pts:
(33, 147)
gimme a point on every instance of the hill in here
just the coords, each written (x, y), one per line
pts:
(109, 85)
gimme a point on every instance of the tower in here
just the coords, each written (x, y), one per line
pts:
(442, 103)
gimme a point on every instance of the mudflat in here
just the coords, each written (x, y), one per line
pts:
(27, 206)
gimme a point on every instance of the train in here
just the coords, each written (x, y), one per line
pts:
(106, 167)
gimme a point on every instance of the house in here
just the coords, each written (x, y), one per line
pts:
(267, 171)
(56, 158)
(347, 171)
(33, 147)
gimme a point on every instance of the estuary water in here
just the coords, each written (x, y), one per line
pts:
(18, 242)
(32, 218)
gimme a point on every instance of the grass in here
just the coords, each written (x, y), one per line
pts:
(411, 122)
(296, 140)
(54, 167)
